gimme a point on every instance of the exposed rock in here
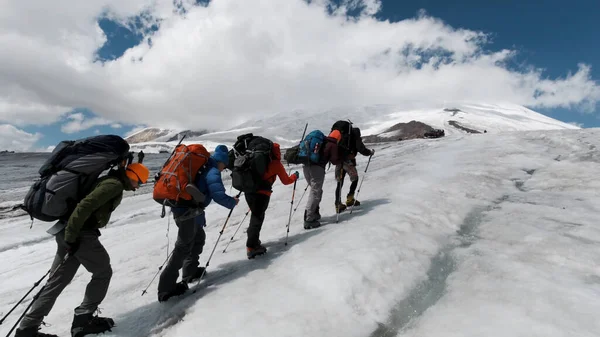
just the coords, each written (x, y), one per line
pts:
(163, 135)
(147, 135)
(188, 134)
(404, 131)
(463, 128)
(453, 110)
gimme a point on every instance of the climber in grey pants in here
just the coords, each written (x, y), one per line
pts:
(315, 177)
(92, 255)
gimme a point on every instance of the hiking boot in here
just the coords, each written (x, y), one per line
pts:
(32, 332)
(195, 276)
(180, 289)
(312, 224)
(254, 252)
(351, 201)
(87, 324)
(317, 216)
(339, 208)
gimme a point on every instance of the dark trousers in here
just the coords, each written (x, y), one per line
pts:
(258, 204)
(186, 254)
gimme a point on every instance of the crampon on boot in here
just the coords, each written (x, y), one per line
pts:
(351, 201)
(32, 332)
(339, 208)
(86, 324)
(254, 252)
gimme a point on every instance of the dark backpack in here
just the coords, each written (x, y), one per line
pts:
(70, 173)
(291, 155)
(345, 128)
(252, 155)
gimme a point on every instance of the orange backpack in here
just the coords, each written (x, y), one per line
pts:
(179, 170)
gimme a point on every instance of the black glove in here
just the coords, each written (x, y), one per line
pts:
(72, 247)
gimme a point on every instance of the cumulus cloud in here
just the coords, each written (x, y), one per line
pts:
(216, 65)
(15, 139)
(78, 122)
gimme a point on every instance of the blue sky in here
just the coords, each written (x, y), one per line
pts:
(554, 35)
(547, 34)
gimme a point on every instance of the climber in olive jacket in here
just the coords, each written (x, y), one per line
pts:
(94, 211)
(78, 244)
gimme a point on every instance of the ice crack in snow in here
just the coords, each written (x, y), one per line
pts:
(429, 291)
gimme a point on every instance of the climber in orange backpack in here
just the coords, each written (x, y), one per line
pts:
(205, 186)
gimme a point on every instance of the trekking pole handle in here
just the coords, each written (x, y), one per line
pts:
(229, 215)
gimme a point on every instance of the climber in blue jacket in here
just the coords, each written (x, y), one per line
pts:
(191, 236)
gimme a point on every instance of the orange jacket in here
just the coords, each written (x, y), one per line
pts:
(276, 169)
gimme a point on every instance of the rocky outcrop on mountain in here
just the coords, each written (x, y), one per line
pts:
(188, 134)
(462, 127)
(403, 131)
(147, 135)
(162, 135)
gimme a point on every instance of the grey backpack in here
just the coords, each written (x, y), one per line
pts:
(70, 173)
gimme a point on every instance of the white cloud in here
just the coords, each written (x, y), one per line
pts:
(135, 130)
(579, 125)
(116, 126)
(233, 60)
(15, 139)
(78, 122)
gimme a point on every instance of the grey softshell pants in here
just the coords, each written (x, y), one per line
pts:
(92, 255)
(315, 176)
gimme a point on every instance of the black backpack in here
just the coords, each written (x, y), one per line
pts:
(251, 157)
(70, 173)
(345, 128)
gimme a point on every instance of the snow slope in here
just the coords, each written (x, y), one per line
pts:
(469, 235)
(286, 128)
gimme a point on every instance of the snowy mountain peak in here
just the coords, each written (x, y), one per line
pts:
(286, 127)
(150, 134)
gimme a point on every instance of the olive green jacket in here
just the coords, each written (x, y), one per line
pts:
(94, 211)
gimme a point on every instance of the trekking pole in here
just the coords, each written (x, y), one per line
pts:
(339, 185)
(294, 191)
(155, 275)
(299, 201)
(22, 298)
(169, 252)
(290, 217)
(240, 225)
(361, 181)
(38, 294)
(301, 139)
(216, 243)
